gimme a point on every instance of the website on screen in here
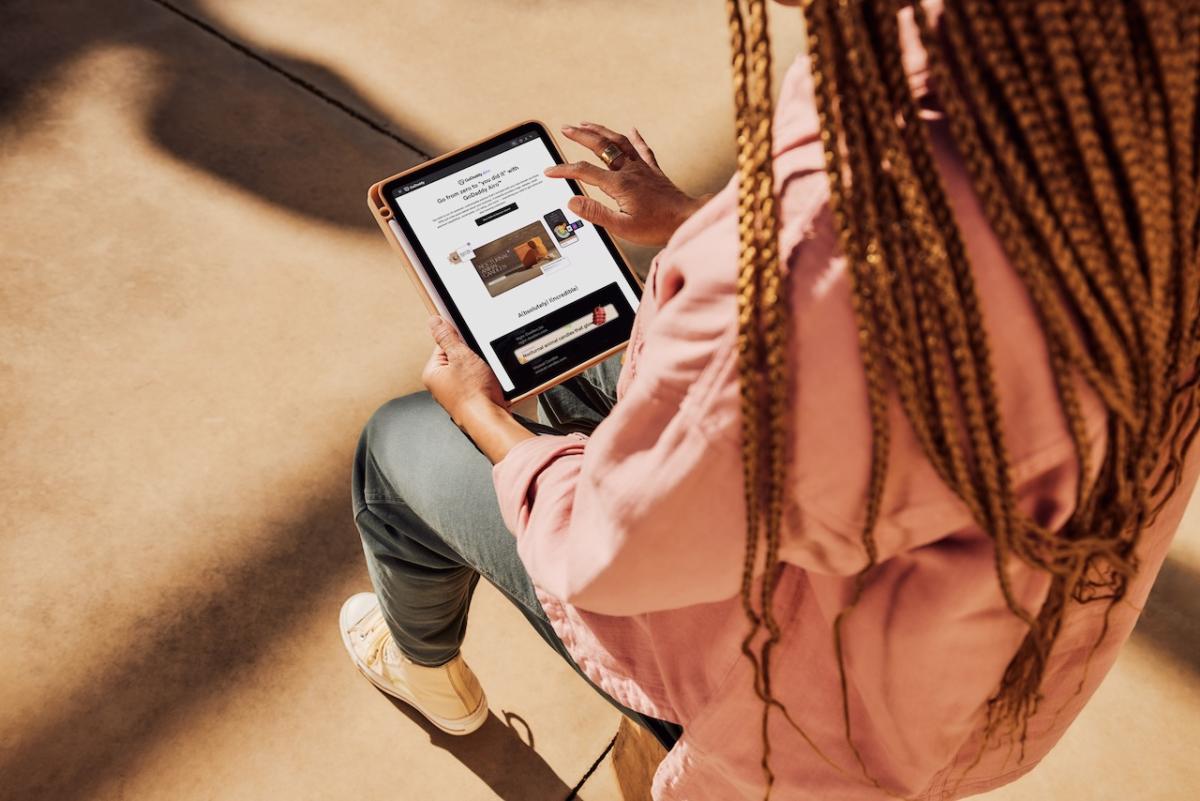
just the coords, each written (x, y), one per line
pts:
(536, 285)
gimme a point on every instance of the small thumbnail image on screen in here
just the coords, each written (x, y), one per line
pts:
(563, 231)
(518, 256)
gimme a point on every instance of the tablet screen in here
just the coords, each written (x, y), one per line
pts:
(534, 289)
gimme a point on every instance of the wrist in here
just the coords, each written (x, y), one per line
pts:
(490, 426)
(475, 410)
(690, 206)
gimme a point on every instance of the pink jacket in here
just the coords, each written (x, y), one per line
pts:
(635, 536)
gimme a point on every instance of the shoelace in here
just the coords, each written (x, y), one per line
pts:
(377, 636)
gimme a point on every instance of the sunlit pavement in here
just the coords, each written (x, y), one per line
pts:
(196, 318)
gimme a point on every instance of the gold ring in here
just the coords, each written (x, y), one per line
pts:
(610, 154)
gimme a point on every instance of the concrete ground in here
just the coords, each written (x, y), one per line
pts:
(197, 316)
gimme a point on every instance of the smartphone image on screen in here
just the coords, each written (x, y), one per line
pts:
(556, 221)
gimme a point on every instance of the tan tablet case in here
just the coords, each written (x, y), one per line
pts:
(383, 216)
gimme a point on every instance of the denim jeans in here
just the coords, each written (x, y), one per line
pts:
(430, 524)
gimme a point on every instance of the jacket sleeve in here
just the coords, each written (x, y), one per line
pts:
(647, 513)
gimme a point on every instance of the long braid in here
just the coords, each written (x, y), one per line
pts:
(775, 329)
(760, 299)
(749, 338)
(1077, 123)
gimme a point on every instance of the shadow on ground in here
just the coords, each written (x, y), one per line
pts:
(191, 648)
(194, 647)
(192, 644)
(218, 130)
(502, 756)
(1170, 621)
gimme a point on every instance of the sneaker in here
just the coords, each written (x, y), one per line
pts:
(449, 696)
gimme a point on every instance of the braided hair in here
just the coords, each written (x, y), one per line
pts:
(1077, 122)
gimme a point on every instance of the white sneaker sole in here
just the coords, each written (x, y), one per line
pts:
(456, 727)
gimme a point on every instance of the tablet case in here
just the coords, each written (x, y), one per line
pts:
(416, 272)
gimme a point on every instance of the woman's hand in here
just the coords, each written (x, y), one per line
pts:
(467, 389)
(456, 377)
(650, 206)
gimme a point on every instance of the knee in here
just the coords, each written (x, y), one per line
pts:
(398, 445)
(381, 439)
(395, 423)
(397, 414)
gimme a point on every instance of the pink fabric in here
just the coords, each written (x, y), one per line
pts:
(635, 536)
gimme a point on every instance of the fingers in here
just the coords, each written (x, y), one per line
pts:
(643, 150)
(448, 340)
(584, 171)
(590, 139)
(596, 213)
(596, 137)
(608, 135)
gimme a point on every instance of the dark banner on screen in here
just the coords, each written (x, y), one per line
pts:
(566, 337)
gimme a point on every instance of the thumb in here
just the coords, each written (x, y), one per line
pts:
(444, 335)
(595, 212)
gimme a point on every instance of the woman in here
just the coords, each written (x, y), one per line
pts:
(941, 330)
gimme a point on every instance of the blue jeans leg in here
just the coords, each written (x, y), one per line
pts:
(427, 513)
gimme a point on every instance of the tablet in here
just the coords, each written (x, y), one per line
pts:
(538, 293)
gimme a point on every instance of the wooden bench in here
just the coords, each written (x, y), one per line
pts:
(635, 757)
